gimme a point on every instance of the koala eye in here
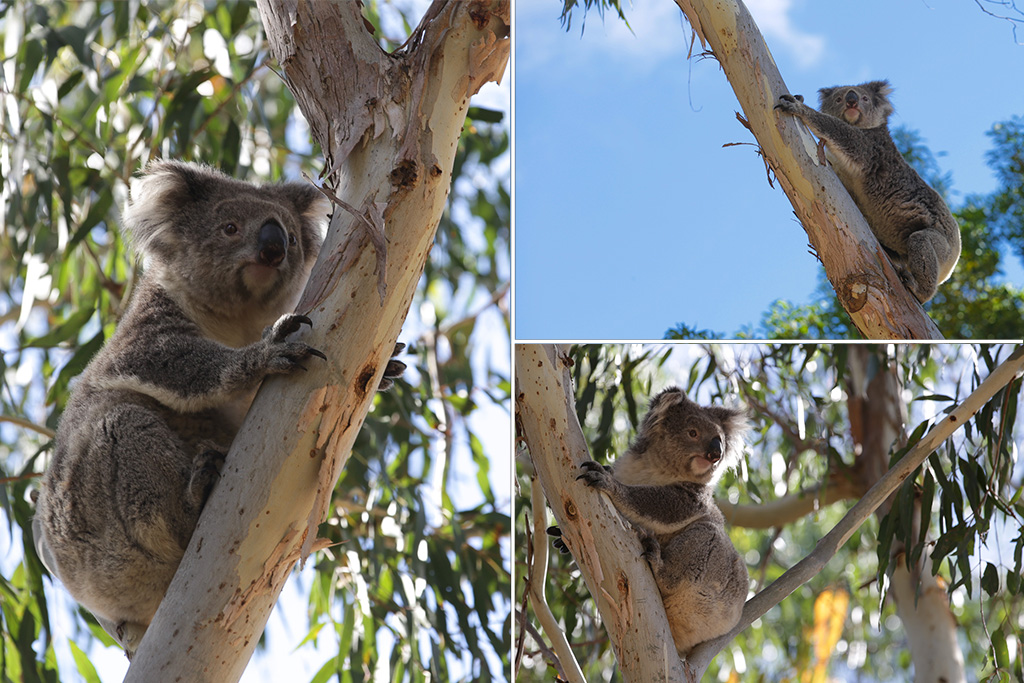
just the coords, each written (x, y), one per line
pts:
(291, 240)
(230, 229)
(693, 433)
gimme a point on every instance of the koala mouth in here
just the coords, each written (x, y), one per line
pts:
(258, 277)
(852, 114)
(703, 464)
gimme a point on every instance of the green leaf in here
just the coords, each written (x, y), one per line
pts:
(85, 668)
(64, 331)
(990, 579)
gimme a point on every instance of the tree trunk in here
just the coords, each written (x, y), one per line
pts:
(389, 126)
(856, 265)
(607, 553)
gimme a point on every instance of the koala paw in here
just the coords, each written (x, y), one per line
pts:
(393, 370)
(558, 541)
(790, 103)
(286, 356)
(129, 635)
(205, 473)
(652, 550)
(596, 476)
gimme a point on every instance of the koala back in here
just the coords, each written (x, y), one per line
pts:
(681, 441)
(232, 254)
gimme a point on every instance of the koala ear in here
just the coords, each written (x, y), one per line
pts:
(308, 201)
(313, 208)
(156, 197)
(825, 94)
(878, 88)
(736, 427)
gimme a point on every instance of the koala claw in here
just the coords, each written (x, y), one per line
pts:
(556, 533)
(393, 370)
(286, 325)
(788, 103)
(596, 475)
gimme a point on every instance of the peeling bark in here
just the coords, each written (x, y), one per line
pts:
(389, 126)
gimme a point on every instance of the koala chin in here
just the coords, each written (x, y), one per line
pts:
(147, 425)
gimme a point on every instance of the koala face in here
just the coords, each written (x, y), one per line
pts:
(681, 441)
(864, 106)
(223, 245)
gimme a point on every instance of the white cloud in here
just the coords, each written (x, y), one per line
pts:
(659, 32)
(540, 38)
(772, 17)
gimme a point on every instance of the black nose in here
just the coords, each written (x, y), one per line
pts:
(851, 98)
(715, 449)
(273, 244)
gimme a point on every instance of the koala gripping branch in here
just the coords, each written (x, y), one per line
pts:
(864, 280)
(389, 126)
(608, 554)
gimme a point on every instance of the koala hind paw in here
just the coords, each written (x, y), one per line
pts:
(393, 370)
(556, 534)
(205, 473)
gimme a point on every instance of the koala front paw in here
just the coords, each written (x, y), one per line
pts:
(286, 356)
(393, 370)
(790, 104)
(596, 476)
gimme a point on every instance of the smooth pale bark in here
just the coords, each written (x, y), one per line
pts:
(389, 127)
(856, 265)
(607, 553)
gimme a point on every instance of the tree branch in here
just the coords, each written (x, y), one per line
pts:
(782, 511)
(570, 668)
(808, 567)
(856, 265)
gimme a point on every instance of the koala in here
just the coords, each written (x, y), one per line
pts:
(662, 485)
(907, 216)
(149, 421)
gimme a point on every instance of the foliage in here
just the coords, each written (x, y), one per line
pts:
(798, 397)
(92, 91)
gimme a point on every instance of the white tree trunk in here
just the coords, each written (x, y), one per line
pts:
(389, 127)
(608, 553)
(856, 265)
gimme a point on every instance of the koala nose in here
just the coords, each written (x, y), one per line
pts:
(851, 98)
(715, 449)
(273, 244)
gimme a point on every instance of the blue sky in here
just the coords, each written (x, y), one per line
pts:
(631, 216)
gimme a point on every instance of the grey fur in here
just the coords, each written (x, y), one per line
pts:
(146, 427)
(908, 217)
(662, 485)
